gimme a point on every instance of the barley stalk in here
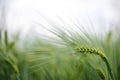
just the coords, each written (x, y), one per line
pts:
(0, 36)
(99, 53)
(6, 38)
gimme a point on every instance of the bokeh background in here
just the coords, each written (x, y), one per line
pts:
(59, 40)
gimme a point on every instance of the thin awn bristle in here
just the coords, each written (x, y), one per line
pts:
(96, 52)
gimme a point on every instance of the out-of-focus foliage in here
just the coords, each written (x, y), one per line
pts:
(41, 59)
(56, 59)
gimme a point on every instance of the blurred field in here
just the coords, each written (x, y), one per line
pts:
(57, 59)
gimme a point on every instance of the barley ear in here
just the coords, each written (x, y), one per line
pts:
(99, 53)
(101, 74)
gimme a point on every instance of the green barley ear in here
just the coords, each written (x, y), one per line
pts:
(80, 68)
(96, 52)
(101, 74)
(12, 65)
(108, 39)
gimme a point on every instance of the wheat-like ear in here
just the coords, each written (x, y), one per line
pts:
(13, 66)
(101, 74)
(96, 52)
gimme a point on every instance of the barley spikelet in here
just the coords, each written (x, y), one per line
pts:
(91, 51)
(96, 52)
(101, 74)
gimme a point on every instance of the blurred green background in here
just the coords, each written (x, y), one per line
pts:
(42, 59)
(35, 56)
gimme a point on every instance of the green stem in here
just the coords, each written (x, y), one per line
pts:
(0, 36)
(109, 69)
(6, 38)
